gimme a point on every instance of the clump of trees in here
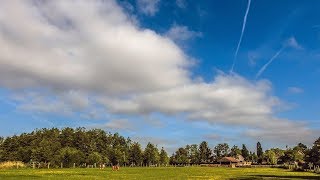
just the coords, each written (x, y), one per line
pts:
(203, 154)
(78, 147)
(300, 155)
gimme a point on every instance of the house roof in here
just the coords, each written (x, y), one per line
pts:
(228, 159)
(240, 157)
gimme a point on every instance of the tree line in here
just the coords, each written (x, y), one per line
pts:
(299, 155)
(70, 147)
(78, 147)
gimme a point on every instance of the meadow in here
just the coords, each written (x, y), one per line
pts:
(157, 173)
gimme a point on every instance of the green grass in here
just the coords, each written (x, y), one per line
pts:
(157, 173)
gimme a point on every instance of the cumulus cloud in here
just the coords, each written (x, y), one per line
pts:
(84, 45)
(63, 103)
(148, 7)
(182, 33)
(228, 99)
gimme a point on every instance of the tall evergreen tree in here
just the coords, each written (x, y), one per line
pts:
(164, 160)
(151, 154)
(259, 152)
(204, 152)
(245, 152)
(135, 154)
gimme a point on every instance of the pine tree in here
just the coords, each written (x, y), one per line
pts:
(259, 152)
(245, 152)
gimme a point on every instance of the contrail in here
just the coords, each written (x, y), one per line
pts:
(269, 62)
(243, 28)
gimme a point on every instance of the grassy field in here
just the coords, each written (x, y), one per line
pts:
(157, 173)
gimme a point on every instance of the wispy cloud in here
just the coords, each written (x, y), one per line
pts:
(214, 137)
(242, 31)
(290, 43)
(316, 26)
(119, 124)
(182, 33)
(269, 62)
(295, 90)
(148, 7)
(253, 56)
(181, 4)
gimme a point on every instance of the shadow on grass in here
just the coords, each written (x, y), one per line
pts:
(275, 177)
(21, 176)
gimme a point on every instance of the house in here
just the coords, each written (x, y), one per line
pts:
(233, 162)
(230, 161)
(242, 161)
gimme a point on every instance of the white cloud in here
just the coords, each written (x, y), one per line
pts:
(47, 105)
(182, 33)
(228, 99)
(148, 7)
(63, 103)
(87, 45)
(295, 90)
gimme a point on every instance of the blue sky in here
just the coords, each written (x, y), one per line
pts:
(159, 70)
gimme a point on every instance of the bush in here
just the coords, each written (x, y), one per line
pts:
(70, 156)
(94, 158)
(12, 164)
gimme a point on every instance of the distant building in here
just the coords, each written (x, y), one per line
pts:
(233, 162)
(228, 160)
